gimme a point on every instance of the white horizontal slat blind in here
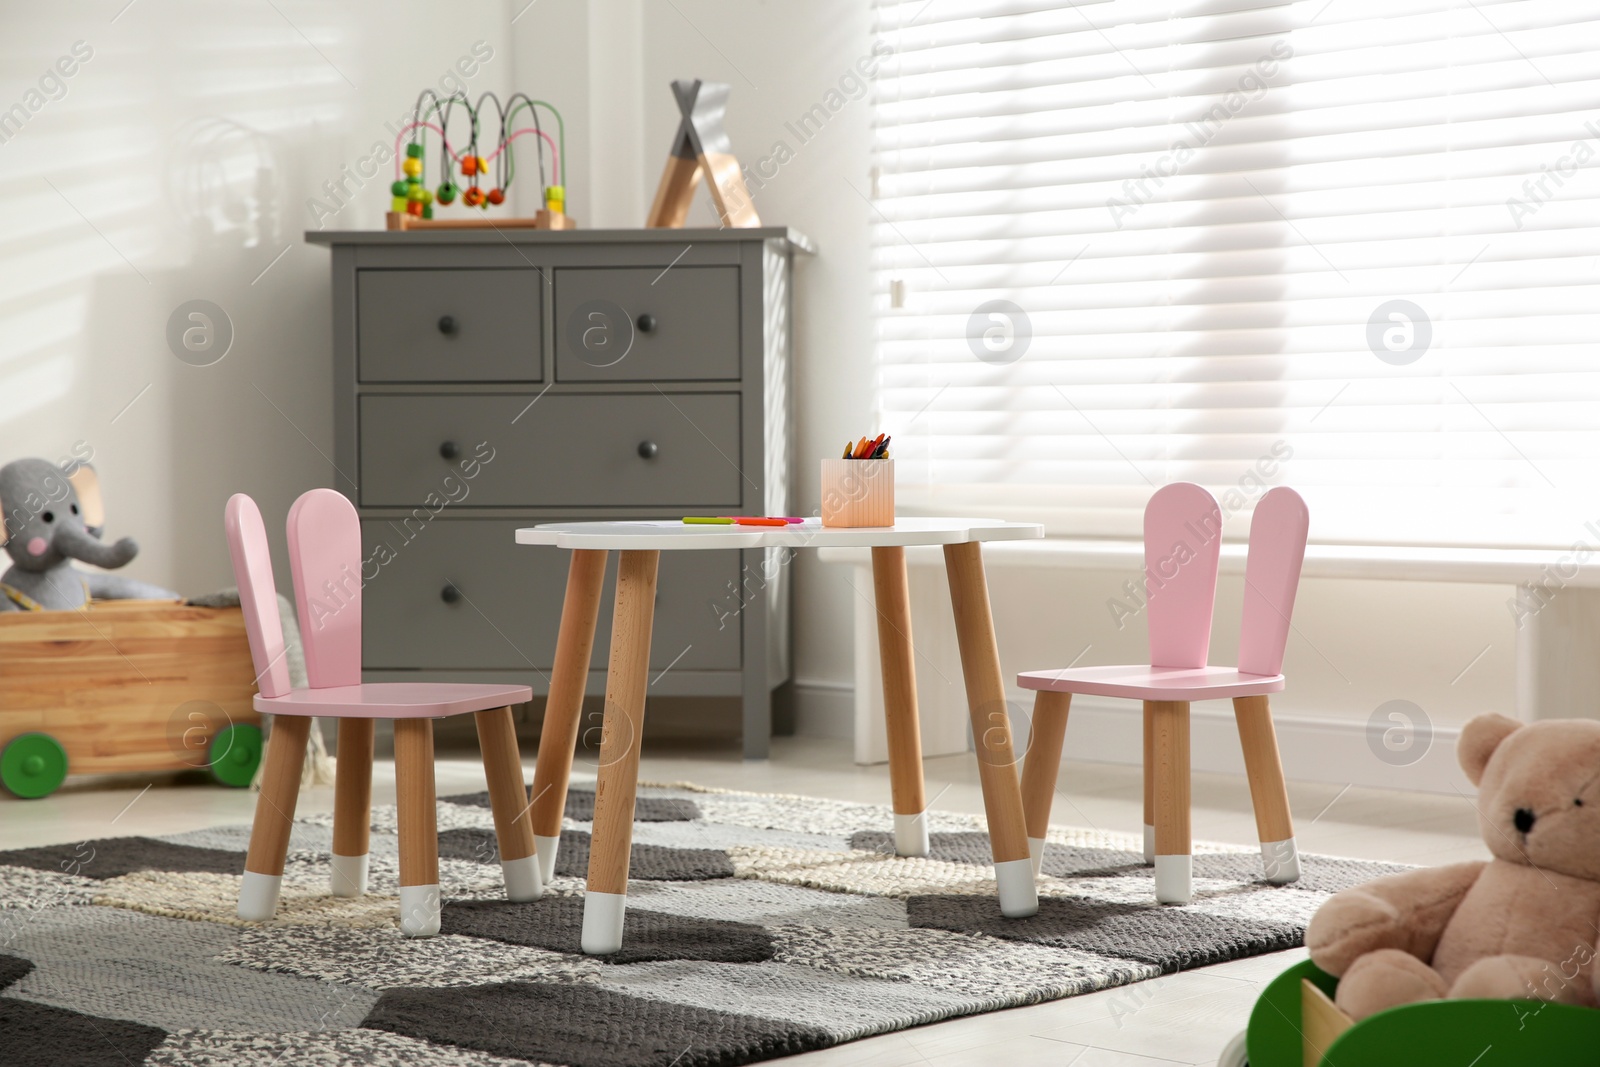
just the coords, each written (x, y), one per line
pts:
(1199, 209)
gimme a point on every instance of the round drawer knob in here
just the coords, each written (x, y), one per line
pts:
(648, 450)
(646, 323)
(450, 450)
(447, 324)
(449, 594)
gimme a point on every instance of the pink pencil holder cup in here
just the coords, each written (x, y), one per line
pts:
(857, 492)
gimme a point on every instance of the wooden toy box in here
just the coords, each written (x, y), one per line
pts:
(132, 685)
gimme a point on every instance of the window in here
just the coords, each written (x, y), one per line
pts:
(1348, 245)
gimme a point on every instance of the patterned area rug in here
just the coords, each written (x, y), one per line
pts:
(758, 926)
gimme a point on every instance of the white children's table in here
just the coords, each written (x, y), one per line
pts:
(641, 544)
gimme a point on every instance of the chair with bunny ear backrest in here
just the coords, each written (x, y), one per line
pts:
(1183, 543)
(325, 556)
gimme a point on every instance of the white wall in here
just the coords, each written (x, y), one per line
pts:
(183, 155)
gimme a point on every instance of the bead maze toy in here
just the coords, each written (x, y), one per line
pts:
(463, 173)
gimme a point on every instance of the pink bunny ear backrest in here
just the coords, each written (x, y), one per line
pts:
(1182, 543)
(325, 555)
(258, 596)
(1271, 577)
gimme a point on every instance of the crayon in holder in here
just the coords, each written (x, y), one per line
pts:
(857, 492)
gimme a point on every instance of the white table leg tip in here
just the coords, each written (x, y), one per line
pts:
(258, 896)
(1281, 859)
(546, 849)
(419, 910)
(522, 879)
(1174, 879)
(349, 875)
(1019, 898)
(1149, 844)
(911, 834)
(1036, 852)
(602, 922)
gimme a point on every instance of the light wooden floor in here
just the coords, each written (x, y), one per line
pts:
(1184, 1018)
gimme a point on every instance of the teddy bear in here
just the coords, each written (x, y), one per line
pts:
(1522, 925)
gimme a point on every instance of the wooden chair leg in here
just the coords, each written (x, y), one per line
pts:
(558, 737)
(606, 901)
(269, 836)
(1041, 766)
(513, 828)
(1268, 793)
(991, 730)
(352, 807)
(1169, 721)
(1149, 786)
(419, 832)
(906, 784)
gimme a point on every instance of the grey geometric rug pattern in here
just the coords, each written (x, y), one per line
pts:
(758, 926)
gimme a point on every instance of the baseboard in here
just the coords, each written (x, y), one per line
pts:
(1337, 751)
(827, 710)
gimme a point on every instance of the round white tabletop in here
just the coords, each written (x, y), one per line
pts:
(676, 535)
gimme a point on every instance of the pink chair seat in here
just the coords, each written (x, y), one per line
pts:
(1144, 682)
(394, 700)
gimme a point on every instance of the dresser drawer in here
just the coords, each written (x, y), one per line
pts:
(681, 324)
(449, 325)
(504, 607)
(566, 450)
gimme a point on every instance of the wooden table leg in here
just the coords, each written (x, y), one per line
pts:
(563, 708)
(626, 680)
(269, 836)
(893, 596)
(419, 827)
(991, 729)
(352, 807)
(1041, 765)
(1268, 793)
(513, 829)
(1169, 721)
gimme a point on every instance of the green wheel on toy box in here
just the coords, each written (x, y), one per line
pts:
(235, 754)
(33, 765)
(1487, 1033)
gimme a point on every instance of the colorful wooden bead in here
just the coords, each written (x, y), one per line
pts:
(497, 196)
(469, 165)
(415, 192)
(473, 196)
(398, 204)
(447, 192)
(414, 150)
(412, 166)
(414, 207)
(398, 188)
(427, 211)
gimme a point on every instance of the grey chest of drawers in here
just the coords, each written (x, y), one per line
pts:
(490, 379)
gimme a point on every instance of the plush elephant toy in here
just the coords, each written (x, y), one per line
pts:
(52, 517)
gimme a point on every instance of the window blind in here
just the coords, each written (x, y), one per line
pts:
(1351, 246)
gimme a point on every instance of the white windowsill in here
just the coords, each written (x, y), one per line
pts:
(1484, 566)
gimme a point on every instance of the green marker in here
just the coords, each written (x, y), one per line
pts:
(706, 520)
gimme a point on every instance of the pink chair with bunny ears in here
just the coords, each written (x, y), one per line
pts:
(1182, 543)
(325, 554)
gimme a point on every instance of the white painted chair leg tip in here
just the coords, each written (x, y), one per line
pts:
(1149, 844)
(1281, 861)
(1174, 879)
(546, 849)
(419, 910)
(349, 877)
(602, 922)
(258, 896)
(911, 835)
(1019, 897)
(522, 879)
(1036, 853)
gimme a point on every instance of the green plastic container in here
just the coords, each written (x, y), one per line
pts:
(1460, 1033)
